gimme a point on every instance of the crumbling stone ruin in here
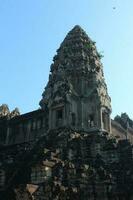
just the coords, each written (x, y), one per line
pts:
(70, 148)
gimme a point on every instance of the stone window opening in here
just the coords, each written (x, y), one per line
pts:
(105, 118)
(91, 120)
(24, 127)
(33, 125)
(59, 114)
(59, 117)
(39, 123)
(73, 119)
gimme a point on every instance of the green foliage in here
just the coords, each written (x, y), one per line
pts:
(89, 46)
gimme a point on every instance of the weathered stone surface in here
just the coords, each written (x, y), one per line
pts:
(76, 78)
(69, 148)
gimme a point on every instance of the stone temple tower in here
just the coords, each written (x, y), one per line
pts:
(76, 95)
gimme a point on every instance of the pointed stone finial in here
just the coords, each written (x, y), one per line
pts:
(78, 28)
(15, 113)
(4, 110)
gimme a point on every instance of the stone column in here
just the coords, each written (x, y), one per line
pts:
(101, 119)
(7, 136)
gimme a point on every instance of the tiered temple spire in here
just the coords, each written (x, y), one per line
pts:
(76, 83)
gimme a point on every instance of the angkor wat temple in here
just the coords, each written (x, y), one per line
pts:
(70, 148)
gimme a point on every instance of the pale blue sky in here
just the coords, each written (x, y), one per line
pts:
(32, 30)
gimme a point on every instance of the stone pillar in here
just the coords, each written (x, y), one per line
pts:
(109, 123)
(7, 136)
(101, 119)
(50, 119)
